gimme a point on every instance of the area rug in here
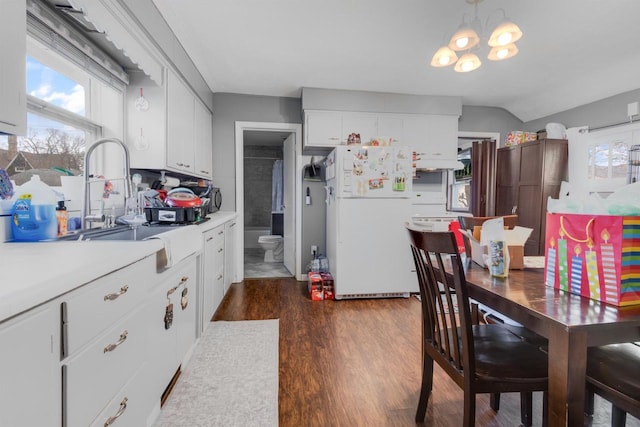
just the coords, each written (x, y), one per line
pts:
(231, 379)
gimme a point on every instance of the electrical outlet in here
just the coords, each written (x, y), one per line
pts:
(314, 250)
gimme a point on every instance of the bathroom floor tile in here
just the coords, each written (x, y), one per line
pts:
(255, 267)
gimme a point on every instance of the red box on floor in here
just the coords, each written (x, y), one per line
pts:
(327, 286)
(315, 286)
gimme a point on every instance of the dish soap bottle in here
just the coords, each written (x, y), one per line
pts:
(34, 212)
(63, 217)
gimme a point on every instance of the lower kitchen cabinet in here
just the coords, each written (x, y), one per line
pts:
(31, 387)
(229, 251)
(213, 265)
(93, 377)
(171, 326)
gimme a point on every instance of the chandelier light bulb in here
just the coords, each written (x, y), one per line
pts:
(499, 53)
(462, 42)
(463, 39)
(504, 39)
(443, 57)
(467, 62)
(504, 34)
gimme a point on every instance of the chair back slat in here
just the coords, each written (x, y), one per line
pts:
(445, 306)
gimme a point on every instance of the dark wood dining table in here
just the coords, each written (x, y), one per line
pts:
(570, 322)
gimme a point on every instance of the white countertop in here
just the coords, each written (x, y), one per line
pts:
(34, 273)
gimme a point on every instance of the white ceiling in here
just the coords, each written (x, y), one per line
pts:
(573, 52)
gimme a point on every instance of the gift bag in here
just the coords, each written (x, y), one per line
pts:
(596, 256)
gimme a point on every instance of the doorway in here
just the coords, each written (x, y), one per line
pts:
(482, 148)
(259, 145)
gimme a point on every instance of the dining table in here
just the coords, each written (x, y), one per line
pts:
(570, 322)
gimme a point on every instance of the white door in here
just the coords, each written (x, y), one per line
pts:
(289, 175)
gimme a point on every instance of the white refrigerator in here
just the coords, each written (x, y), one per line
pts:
(368, 203)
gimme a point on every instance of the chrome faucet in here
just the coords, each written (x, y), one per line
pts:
(86, 205)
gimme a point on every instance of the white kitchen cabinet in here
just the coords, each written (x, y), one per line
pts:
(323, 129)
(104, 339)
(31, 386)
(203, 140)
(365, 125)
(171, 327)
(229, 250)
(93, 376)
(213, 259)
(180, 125)
(131, 405)
(173, 131)
(13, 49)
(434, 136)
(391, 128)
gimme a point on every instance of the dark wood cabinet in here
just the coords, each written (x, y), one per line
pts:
(526, 176)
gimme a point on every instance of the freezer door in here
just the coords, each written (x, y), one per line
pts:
(369, 249)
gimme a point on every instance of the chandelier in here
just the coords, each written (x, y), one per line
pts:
(466, 40)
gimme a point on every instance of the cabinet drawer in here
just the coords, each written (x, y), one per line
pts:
(214, 236)
(92, 377)
(101, 303)
(131, 405)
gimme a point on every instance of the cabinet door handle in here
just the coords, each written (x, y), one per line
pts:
(232, 225)
(210, 239)
(221, 232)
(180, 164)
(110, 297)
(111, 420)
(204, 172)
(220, 277)
(220, 250)
(113, 346)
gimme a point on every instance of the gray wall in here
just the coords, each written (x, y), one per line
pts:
(604, 112)
(488, 119)
(229, 108)
(313, 219)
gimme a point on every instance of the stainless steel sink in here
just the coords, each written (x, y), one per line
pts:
(124, 233)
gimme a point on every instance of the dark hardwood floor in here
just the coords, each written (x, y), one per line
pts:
(357, 362)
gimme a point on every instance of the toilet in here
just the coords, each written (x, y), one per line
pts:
(273, 246)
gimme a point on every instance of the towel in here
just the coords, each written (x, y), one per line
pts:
(179, 243)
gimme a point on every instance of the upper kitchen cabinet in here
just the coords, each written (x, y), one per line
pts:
(435, 137)
(180, 126)
(365, 125)
(168, 127)
(427, 123)
(13, 33)
(322, 129)
(204, 141)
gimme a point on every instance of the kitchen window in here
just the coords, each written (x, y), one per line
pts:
(73, 97)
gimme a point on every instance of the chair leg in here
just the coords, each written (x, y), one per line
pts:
(526, 408)
(618, 417)
(425, 388)
(469, 417)
(494, 401)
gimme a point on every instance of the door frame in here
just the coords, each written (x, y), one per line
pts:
(296, 129)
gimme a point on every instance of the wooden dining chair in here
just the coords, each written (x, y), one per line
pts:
(611, 373)
(480, 358)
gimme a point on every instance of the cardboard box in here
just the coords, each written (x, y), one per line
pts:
(516, 239)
